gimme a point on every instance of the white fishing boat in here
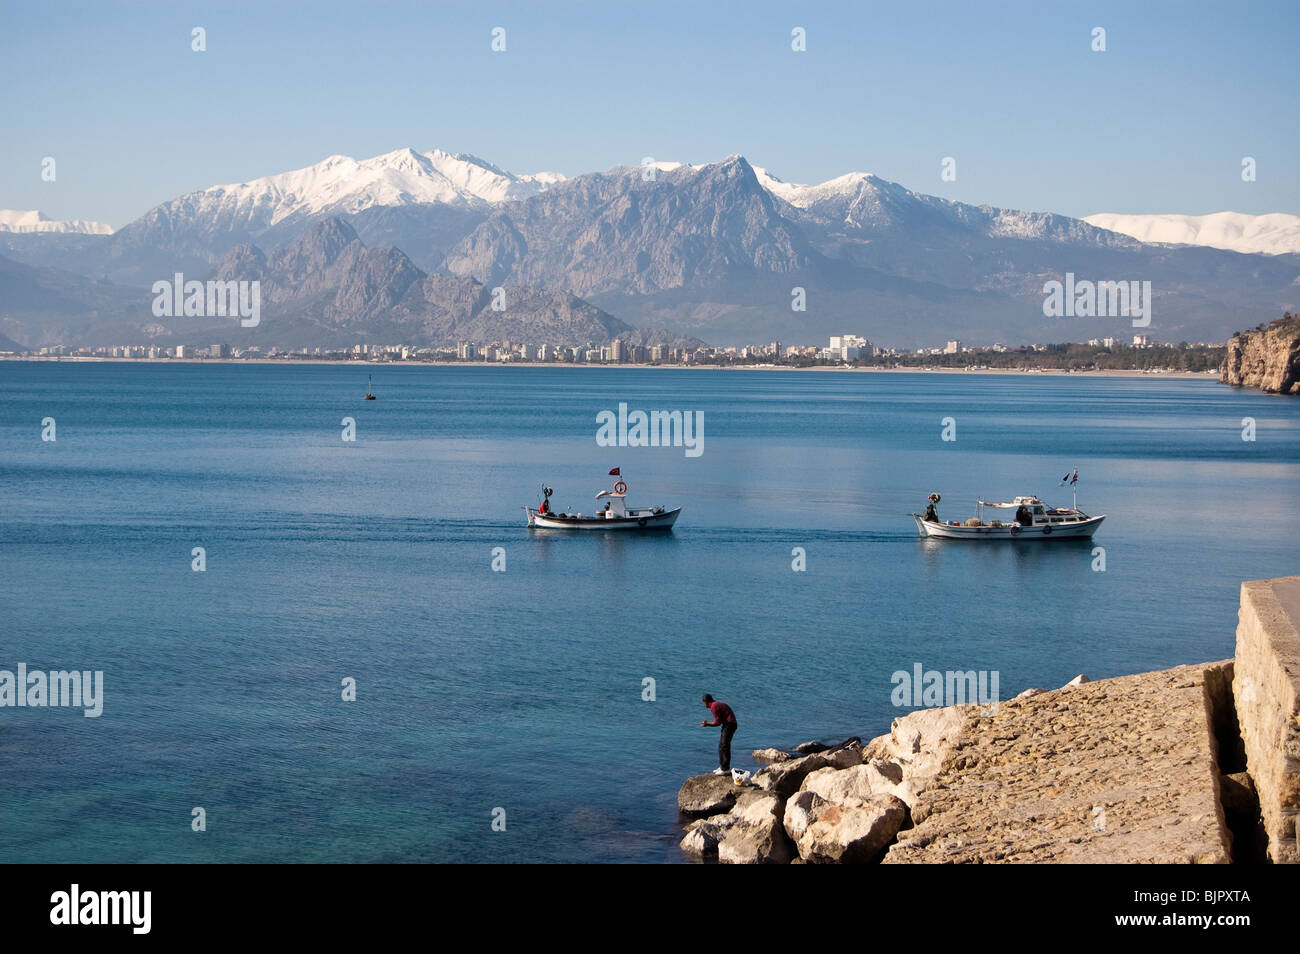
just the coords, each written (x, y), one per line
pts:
(614, 515)
(1031, 519)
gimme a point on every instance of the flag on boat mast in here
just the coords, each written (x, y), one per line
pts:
(615, 473)
(1068, 479)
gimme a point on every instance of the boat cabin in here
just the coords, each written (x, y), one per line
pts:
(1032, 512)
(614, 505)
(1029, 510)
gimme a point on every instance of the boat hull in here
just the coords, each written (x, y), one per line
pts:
(631, 524)
(1082, 529)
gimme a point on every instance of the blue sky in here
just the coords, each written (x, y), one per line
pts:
(1034, 118)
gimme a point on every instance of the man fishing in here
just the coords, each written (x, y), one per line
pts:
(722, 716)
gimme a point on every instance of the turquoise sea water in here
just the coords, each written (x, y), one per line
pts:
(523, 690)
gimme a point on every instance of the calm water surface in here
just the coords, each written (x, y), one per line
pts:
(522, 689)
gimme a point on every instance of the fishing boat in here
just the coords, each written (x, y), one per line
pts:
(614, 515)
(370, 391)
(1031, 520)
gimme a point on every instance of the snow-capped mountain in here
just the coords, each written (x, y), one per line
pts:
(1273, 234)
(419, 201)
(17, 220)
(862, 202)
(341, 185)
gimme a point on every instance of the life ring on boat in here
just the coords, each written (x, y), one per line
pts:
(1047, 530)
(620, 487)
(641, 522)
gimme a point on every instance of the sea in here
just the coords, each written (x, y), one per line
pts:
(321, 649)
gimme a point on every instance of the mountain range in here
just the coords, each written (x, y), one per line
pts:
(403, 247)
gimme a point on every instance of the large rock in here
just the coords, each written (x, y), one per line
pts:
(799, 811)
(840, 785)
(703, 795)
(844, 755)
(851, 833)
(919, 741)
(754, 833)
(764, 843)
(703, 835)
(756, 807)
(768, 756)
(860, 782)
(784, 778)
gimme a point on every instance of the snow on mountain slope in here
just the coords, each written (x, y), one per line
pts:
(1274, 234)
(804, 196)
(343, 185)
(16, 220)
(862, 202)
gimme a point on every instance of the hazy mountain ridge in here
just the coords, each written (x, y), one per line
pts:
(327, 289)
(40, 306)
(722, 251)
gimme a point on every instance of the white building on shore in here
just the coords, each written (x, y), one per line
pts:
(847, 348)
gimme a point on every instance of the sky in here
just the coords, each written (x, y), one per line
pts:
(1034, 118)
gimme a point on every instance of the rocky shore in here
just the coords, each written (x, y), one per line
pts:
(1195, 764)
(1267, 359)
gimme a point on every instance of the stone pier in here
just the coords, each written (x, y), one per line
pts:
(1116, 770)
(1266, 690)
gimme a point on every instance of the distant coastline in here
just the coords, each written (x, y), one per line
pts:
(1005, 372)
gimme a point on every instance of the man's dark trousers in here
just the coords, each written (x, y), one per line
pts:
(724, 746)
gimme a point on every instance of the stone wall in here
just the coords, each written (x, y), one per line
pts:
(1266, 689)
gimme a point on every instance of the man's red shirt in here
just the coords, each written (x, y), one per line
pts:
(722, 713)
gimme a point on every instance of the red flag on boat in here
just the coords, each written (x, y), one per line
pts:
(615, 473)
